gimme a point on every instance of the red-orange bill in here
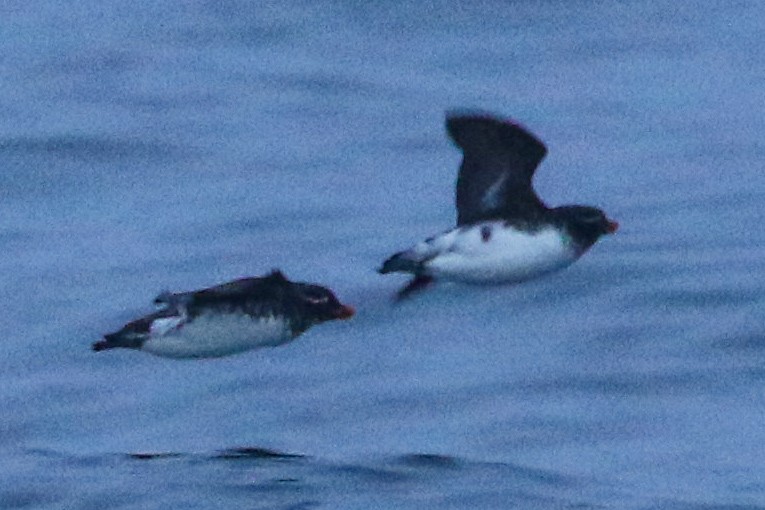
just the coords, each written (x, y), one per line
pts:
(346, 312)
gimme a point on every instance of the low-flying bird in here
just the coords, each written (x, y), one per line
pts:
(230, 318)
(504, 232)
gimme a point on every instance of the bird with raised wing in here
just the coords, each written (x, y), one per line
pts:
(505, 232)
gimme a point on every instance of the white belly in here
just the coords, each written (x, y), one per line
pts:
(211, 336)
(505, 255)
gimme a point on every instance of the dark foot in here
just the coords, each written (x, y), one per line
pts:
(418, 283)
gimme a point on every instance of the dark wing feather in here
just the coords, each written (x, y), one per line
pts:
(499, 159)
(242, 294)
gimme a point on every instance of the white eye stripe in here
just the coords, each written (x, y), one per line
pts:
(317, 300)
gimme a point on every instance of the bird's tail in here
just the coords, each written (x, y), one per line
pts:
(402, 262)
(409, 261)
(117, 340)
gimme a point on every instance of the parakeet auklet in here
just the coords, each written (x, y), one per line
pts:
(504, 232)
(230, 318)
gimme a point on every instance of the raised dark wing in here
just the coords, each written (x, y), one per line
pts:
(499, 159)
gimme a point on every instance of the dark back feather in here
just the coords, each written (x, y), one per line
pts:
(262, 295)
(271, 295)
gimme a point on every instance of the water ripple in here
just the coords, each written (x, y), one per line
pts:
(87, 148)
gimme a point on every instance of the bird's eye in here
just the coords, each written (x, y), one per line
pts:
(317, 300)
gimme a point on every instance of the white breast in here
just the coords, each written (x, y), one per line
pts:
(215, 335)
(493, 252)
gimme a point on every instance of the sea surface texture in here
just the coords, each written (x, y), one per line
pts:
(149, 146)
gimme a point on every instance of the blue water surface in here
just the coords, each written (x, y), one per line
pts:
(172, 145)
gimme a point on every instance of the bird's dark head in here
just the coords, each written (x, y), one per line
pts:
(321, 303)
(585, 224)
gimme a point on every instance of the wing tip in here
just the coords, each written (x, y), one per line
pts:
(468, 125)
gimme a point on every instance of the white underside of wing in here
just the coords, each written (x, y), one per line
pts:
(492, 252)
(215, 335)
